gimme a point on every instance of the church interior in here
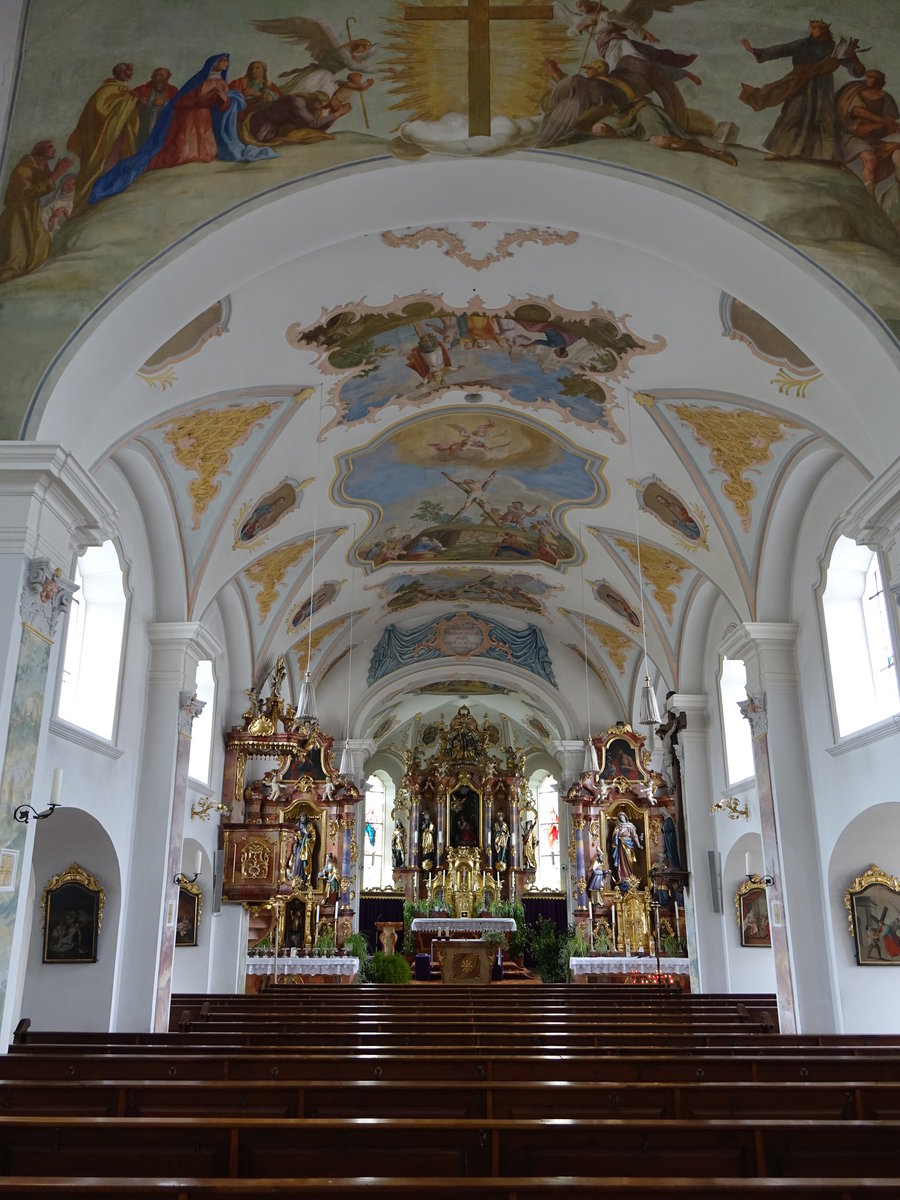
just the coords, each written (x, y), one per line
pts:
(449, 538)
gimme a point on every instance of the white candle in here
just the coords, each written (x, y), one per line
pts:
(677, 925)
(336, 913)
(198, 862)
(444, 882)
(747, 863)
(318, 906)
(615, 944)
(56, 786)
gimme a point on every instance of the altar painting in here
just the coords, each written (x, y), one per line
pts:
(464, 817)
(506, 506)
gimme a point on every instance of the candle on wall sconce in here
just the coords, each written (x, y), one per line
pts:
(747, 870)
(198, 862)
(56, 787)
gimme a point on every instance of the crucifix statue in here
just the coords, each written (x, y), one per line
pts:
(479, 14)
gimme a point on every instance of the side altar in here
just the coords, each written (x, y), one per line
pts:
(626, 852)
(288, 840)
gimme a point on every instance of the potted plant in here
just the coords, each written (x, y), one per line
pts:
(357, 946)
(389, 968)
(546, 944)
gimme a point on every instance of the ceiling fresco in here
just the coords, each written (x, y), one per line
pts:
(531, 352)
(384, 439)
(466, 586)
(688, 91)
(510, 484)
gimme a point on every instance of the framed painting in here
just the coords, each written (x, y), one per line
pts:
(72, 906)
(873, 904)
(753, 913)
(190, 903)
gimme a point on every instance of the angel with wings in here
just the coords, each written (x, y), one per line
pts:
(630, 51)
(330, 57)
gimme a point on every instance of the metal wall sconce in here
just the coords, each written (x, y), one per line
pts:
(26, 812)
(730, 805)
(201, 811)
(181, 878)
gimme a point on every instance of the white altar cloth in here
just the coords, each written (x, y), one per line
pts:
(622, 965)
(309, 965)
(463, 924)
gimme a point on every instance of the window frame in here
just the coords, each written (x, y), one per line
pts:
(62, 725)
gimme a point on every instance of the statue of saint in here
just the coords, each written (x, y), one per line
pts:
(302, 856)
(529, 845)
(625, 842)
(426, 843)
(501, 842)
(331, 878)
(398, 846)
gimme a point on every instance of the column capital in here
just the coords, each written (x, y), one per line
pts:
(695, 707)
(176, 648)
(873, 519)
(52, 507)
(570, 756)
(45, 596)
(767, 650)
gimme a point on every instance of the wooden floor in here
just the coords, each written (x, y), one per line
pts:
(491, 1092)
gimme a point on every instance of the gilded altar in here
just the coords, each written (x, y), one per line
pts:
(288, 842)
(626, 850)
(465, 811)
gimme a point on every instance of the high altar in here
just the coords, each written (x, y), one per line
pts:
(288, 840)
(467, 815)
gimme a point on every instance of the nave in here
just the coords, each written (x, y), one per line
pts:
(504, 1091)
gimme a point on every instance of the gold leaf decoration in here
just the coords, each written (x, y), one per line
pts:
(203, 442)
(739, 440)
(617, 645)
(269, 571)
(318, 637)
(661, 569)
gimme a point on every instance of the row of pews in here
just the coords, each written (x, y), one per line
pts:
(488, 1092)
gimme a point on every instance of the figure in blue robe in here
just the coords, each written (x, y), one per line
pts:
(203, 113)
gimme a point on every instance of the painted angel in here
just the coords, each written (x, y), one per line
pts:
(330, 57)
(630, 53)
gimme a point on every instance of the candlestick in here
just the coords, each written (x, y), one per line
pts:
(56, 786)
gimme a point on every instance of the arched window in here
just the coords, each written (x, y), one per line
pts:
(373, 833)
(202, 728)
(860, 646)
(548, 865)
(89, 688)
(735, 727)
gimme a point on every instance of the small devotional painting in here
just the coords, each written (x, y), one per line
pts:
(873, 903)
(753, 913)
(72, 904)
(190, 901)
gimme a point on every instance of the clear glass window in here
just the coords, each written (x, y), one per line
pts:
(89, 688)
(735, 727)
(860, 647)
(202, 728)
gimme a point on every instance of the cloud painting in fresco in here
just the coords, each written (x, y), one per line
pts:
(536, 354)
(498, 503)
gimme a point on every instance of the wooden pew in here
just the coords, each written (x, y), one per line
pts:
(249, 1065)
(504, 1100)
(440, 1188)
(253, 1148)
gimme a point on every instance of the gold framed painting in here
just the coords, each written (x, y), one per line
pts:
(190, 904)
(72, 906)
(752, 908)
(873, 904)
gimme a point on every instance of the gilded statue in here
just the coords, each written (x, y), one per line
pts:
(426, 843)
(398, 846)
(302, 855)
(529, 844)
(501, 842)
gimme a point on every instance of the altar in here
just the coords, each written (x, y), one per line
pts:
(330, 969)
(427, 930)
(639, 969)
(465, 962)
